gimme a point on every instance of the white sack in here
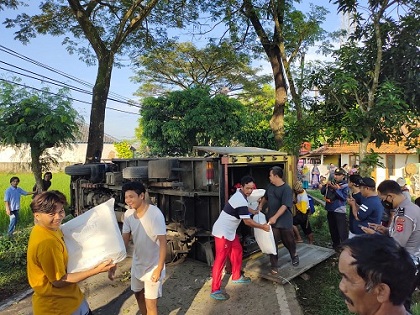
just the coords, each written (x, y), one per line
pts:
(93, 237)
(265, 240)
(254, 197)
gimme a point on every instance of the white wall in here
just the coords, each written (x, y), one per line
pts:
(76, 154)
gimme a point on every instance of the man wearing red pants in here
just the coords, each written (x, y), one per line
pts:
(227, 241)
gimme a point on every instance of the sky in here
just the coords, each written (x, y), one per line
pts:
(48, 51)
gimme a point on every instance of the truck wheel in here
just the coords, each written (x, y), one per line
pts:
(137, 172)
(78, 170)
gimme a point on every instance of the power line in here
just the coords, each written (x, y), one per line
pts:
(70, 98)
(84, 83)
(59, 83)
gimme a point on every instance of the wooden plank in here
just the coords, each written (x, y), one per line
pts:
(309, 256)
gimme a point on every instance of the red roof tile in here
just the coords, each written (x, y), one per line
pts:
(353, 148)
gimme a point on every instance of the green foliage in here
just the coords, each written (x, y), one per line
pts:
(256, 131)
(173, 124)
(13, 250)
(364, 91)
(369, 162)
(13, 277)
(123, 149)
(183, 65)
(38, 119)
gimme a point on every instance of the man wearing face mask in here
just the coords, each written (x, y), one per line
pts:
(404, 224)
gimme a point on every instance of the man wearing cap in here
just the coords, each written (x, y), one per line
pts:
(405, 217)
(336, 193)
(370, 210)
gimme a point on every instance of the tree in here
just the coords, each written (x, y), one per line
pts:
(123, 149)
(256, 131)
(110, 27)
(174, 123)
(361, 102)
(284, 34)
(40, 119)
(183, 65)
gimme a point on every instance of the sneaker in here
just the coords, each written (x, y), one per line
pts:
(242, 279)
(219, 295)
(295, 261)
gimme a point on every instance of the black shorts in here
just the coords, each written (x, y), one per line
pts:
(302, 220)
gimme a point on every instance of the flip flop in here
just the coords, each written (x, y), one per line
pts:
(219, 295)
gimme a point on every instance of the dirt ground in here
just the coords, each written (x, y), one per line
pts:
(186, 291)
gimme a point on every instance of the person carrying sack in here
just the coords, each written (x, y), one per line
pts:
(301, 215)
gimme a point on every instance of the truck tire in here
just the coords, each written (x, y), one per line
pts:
(78, 170)
(135, 172)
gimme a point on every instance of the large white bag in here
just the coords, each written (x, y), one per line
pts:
(93, 237)
(254, 197)
(265, 240)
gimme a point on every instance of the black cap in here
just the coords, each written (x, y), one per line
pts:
(355, 179)
(339, 171)
(368, 182)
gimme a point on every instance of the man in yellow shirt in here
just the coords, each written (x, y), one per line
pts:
(55, 290)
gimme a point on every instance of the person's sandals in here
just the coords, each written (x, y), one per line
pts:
(219, 295)
(241, 280)
(295, 261)
(274, 271)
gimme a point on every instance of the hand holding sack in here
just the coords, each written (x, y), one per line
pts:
(93, 237)
(265, 240)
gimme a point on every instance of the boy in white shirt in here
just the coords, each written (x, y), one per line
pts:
(148, 230)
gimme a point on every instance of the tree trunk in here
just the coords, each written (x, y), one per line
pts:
(277, 120)
(97, 113)
(36, 166)
(362, 153)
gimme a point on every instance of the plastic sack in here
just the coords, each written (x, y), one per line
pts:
(254, 197)
(93, 237)
(265, 240)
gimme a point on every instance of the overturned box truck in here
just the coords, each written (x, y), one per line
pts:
(190, 191)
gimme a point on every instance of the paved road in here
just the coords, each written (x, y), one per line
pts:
(186, 291)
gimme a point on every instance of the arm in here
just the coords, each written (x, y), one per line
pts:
(126, 239)
(341, 191)
(279, 212)
(403, 227)
(70, 278)
(252, 223)
(7, 205)
(354, 207)
(162, 255)
(261, 203)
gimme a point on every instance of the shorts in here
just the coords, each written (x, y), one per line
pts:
(302, 220)
(152, 290)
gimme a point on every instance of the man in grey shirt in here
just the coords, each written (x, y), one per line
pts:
(279, 196)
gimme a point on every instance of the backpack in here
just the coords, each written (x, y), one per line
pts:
(311, 205)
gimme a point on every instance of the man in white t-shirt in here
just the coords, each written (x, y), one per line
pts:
(227, 241)
(147, 228)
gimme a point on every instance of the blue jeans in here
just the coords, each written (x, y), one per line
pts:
(14, 217)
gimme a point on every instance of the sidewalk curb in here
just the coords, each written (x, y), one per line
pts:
(15, 299)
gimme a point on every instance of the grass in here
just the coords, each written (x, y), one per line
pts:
(13, 251)
(60, 182)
